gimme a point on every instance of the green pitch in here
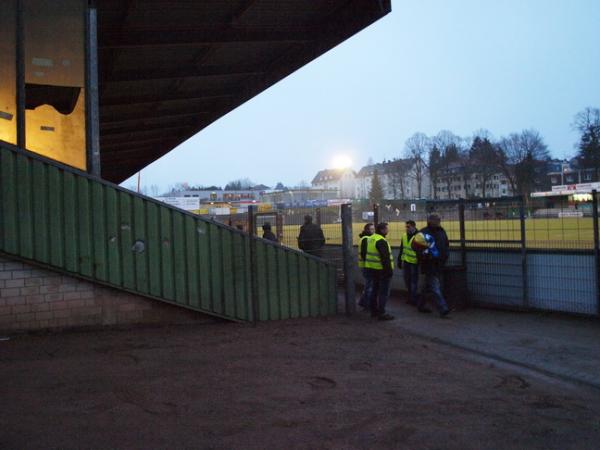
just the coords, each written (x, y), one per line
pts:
(563, 233)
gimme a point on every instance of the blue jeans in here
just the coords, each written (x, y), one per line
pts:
(411, 281)
(380, 294)
(365, 298)
(433, 286)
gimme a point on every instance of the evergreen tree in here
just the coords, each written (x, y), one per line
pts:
(482, 157)
(587, 122)
(376, 192)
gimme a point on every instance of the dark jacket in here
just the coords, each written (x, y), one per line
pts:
(384, 254)
(435, 265)
(311, 237)
(269, 235)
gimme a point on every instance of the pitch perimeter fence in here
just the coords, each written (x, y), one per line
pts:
(541, 254)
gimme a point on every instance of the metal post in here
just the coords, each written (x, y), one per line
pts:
(524, 254)
(253, 262)
(92, 122)
(375, 213)
(318, 216)
(279, 226)
(596, 246)
(20, 54)
(252, 220)
(348, 259)
(463, 245)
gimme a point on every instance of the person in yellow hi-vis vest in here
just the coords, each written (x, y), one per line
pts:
(409, 263)
(377, 255)
(367, 232)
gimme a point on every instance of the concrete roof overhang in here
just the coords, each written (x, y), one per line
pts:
(169, 68)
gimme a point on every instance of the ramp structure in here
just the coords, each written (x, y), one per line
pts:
(93, 91)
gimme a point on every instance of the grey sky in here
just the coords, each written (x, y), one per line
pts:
(460, 65)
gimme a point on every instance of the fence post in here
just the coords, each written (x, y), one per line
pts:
(375, 213)
(253, 262)
(596, 246)
(348, 259)
(279, 226)
(524, 253)
(252, 220)
(463, 244)
(318, 216)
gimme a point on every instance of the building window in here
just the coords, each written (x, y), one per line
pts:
(8, 73)
(54, 80)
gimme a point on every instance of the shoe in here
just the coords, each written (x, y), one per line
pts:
(444, 314)
(423, 309)
(385, 316)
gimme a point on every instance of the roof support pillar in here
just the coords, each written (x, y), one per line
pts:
(91, 87)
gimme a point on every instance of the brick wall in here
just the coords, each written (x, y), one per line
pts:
(34, 299)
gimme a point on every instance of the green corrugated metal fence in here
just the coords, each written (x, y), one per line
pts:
(66, 220)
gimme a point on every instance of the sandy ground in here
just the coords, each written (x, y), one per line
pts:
(339, 383)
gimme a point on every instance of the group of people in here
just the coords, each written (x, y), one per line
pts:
(422, 251)
(310, 240)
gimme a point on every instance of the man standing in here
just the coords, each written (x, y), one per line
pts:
(268, 233)
(368, 274)
(407, 261)
(432, 262)
(311, 239)
(378, 257)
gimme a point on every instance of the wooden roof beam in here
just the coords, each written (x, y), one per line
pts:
(154, 98)
(184, 72)
(153, 38)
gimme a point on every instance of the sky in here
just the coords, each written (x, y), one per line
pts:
(459, 65)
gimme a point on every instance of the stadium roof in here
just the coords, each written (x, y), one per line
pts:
(169, 68)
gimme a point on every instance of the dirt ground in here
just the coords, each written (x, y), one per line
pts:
(339, 383)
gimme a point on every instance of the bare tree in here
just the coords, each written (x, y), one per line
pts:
(396, 176)
(522, 157)
(154, 190)
(587, 122)
(239, 185)
(416, 148)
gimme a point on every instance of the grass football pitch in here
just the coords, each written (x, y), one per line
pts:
(553, 233)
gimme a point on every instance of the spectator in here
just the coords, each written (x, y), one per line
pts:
(364, 302)
(378, 257)
(432, 262)
(311, 239)
(408, 262)
(267, 233)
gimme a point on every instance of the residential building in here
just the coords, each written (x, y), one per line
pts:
(343, 180)
(457, 181)
(399, 180)
(565, 172)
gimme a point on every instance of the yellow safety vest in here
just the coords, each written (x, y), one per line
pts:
(408, 254)
(361, 262)
(373, 259)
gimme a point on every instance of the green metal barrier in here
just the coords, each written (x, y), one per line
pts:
(65, 220)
